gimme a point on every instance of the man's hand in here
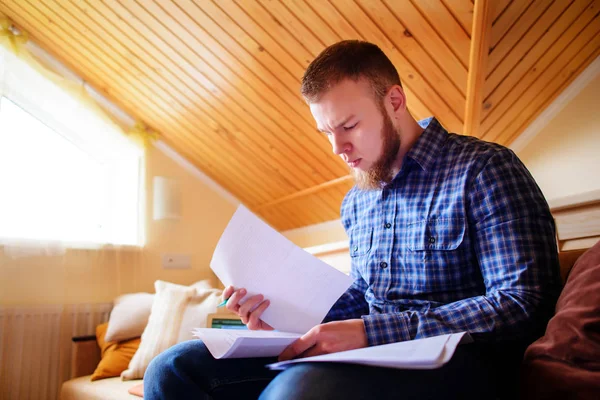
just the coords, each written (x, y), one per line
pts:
(250, 311)
(328, 338)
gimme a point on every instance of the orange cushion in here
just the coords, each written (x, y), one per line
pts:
(115, 356)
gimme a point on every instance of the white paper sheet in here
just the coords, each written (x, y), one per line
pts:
(426, 353)
(300, 287)
(230, 343)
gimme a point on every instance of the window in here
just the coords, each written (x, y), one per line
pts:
(66, 173)
(52, 190)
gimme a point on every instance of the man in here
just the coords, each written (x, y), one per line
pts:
(447, 234)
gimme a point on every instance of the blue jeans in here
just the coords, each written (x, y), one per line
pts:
(188, 371)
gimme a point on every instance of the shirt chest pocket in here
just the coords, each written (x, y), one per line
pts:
(361, 240)
(434, 255)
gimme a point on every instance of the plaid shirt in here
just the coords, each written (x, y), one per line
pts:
(461, 240)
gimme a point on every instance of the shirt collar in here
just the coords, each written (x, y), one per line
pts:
(427, 147)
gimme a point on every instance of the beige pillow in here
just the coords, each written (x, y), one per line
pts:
(163, 326)
(129, 316)
(202, 285)
(204, 302)
(130, 313)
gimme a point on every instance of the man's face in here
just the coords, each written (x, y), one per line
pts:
(359, 130)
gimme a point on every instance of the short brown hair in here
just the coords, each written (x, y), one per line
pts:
(349, 59)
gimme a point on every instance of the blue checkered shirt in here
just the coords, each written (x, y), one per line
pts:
(461, 240)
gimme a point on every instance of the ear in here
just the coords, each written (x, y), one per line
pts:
(396, 100)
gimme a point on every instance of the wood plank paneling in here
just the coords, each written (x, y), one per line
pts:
(318, 26)
(556, 57)
(406, 40)
(507, 19)
(482, 32)
(566, 28)
(287, 25)
(556, 75)
(550, 92)
(539, 28)
(514, 35)
(299, 207)
(295, 60)
(306, 192)
(578, 223)
(246, 62)
(499, 7)
(448, 29)
(205, 78)
(462, 10)
(219, 80)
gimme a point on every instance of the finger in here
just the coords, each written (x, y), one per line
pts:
(228, 292)
(254, 321)
(316, 350)
(248, 306)
(265, 327)
(233, 302)
(299, 346)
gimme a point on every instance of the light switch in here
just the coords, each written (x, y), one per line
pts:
(176, 261)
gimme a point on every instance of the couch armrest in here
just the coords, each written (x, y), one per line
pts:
(85, 356)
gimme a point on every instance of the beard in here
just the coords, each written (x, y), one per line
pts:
(380, 173)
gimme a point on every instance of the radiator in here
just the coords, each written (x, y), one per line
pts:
(35, 347)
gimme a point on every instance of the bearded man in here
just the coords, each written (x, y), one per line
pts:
(447, 234)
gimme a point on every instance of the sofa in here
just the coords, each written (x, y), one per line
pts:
(84, 360)
(539, 368)
(111, 363)
(565, 362)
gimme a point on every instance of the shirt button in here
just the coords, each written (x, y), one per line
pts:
(388, 225)
(383, 264)
(355, 249)
(431, 240)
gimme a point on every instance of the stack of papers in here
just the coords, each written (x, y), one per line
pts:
(428, 353)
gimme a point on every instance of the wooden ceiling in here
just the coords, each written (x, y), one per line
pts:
(219, 79)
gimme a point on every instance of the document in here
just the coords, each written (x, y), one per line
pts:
(300, 287)
(229, 343)
(428, 353)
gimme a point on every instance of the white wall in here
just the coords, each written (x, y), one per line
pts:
(564, 157)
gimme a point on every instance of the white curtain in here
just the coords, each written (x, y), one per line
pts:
(80, 189)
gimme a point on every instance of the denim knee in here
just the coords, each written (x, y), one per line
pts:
(169, 372)
(302, 381)
(189, 371)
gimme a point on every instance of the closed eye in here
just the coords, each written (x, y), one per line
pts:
(348, 128)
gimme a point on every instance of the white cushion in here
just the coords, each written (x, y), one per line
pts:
(163, 326)
(129, 316)
(204, 302)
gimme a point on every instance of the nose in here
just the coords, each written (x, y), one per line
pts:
(339, 146)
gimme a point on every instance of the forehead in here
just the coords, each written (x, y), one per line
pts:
(341, 101)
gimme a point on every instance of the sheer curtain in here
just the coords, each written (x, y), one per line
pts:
(70, 175)
(71, 210)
